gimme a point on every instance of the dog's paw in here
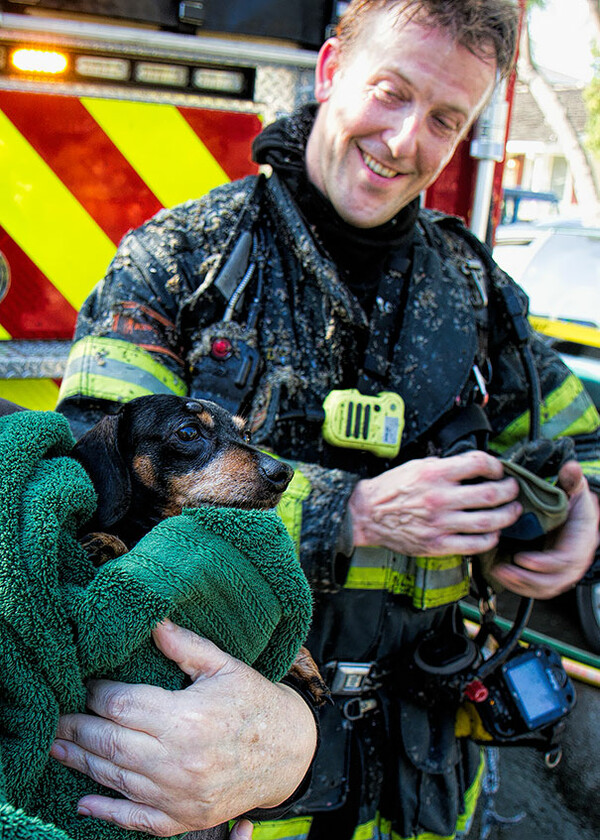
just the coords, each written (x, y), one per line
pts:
(101, 548)
(305, 670)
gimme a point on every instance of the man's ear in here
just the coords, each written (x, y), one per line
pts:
(328, 62)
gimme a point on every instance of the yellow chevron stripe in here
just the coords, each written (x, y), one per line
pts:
(4, 334)
(39, 394)
(43, 217)
(161, 147)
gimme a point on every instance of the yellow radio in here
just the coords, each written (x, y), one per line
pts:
(371, 423)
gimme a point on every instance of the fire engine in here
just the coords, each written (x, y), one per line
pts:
(110, 111)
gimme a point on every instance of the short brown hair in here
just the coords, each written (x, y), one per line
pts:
(487, 28)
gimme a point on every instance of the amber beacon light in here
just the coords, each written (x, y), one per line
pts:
(39, 61)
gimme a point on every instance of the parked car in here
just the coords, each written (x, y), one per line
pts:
(558, 265)
(521, 205)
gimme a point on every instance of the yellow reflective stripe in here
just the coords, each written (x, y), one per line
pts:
(109, 368)
(429, 581)
(39, 394)
(296, 828)
(471, 797)
(586, 422)
(360, 577)
(161, 146)
(290, 506)
(29, 190)
(381, 829)
(566, 410)
(566, 331)
(590, 467)
(378, 828)
(426, 599)
(440, 580)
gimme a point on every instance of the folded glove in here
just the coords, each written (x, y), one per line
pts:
(545, 506)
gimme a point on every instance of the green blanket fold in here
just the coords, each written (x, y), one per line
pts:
(230, 575)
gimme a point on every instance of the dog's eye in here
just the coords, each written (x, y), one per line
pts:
(246, 437)
(188, 432)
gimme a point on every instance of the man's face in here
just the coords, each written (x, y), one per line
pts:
(393, 109)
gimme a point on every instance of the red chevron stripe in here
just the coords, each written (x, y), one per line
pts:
(64, 134)
(33, 307)
(227, 136)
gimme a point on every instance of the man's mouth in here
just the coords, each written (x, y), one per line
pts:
(376, 167)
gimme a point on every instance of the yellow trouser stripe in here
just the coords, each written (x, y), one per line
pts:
(295, 829)
(113, 369)
(161, 146)
(29, 190)
(566, 331)
(472, 796)
(566, 410)
(381, 829)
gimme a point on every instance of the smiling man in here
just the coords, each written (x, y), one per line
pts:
(394, 104)
(348, 286)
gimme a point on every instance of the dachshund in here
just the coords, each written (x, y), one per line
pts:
(160, 453)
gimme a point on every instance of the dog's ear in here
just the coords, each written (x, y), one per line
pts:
(99, 452)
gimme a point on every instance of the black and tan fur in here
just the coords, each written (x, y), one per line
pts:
(161, 453)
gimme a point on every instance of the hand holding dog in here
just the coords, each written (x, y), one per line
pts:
(188, 760)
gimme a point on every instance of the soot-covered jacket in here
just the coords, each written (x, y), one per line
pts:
(231, 298)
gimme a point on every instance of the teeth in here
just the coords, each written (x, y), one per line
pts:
(376, 167)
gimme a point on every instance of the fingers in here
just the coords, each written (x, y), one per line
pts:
(133, 816)
(197, 657)
(531, 584)
(569, 551)
(83, 741)
(470, 465)
(138, 707)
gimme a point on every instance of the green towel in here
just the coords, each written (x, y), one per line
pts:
(230, 575)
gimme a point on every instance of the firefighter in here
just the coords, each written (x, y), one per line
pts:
(277, 296)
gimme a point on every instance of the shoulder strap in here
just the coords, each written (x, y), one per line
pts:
(232, 263)
(475, 263)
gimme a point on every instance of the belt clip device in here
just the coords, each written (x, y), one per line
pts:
(358, 421)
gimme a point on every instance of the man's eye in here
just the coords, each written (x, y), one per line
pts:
(188, 433)
(387, 95)
(447, 125)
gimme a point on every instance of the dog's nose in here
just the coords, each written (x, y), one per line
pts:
(277, 473)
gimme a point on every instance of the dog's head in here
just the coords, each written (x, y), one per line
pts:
(161, 453)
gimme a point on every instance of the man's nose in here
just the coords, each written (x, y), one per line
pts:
(402, 138)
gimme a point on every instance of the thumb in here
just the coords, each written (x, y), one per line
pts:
(197, 657)
(242, 830)
(571, 478)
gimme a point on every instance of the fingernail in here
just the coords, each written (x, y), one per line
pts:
(166, 624)
(83, 811)
(58, 751)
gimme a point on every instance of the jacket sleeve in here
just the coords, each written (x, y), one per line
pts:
(128, 339)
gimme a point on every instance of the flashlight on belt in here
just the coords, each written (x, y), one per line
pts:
(359, 421)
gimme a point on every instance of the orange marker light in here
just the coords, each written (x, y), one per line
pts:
(39, 61)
